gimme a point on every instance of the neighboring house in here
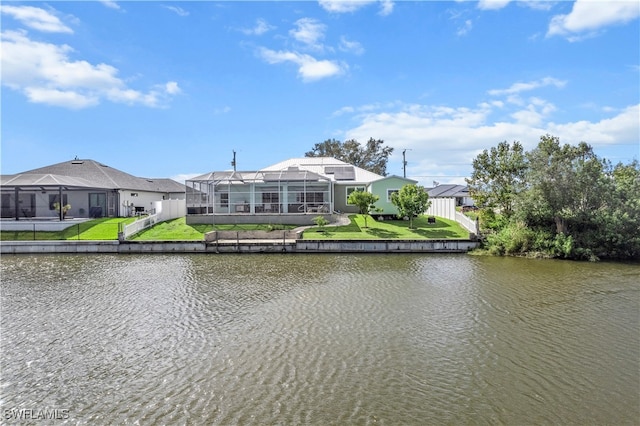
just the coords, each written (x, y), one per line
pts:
(459, 192)
(92, 189)
(293, 191)
(445, 198)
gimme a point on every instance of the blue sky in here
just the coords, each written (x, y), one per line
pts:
(170, 89)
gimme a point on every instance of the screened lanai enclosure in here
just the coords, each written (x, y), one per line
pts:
(292, 196)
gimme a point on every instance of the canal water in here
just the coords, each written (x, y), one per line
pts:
(319, 339)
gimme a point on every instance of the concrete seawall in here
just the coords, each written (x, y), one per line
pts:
(239, 246)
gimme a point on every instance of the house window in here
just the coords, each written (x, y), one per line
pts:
(224, 199)
(270, 197)
(390, 192)
(53, 199)
(351, 189)
(134, 194)
(310, 197)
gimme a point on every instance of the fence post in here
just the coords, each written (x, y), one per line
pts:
(78, 231)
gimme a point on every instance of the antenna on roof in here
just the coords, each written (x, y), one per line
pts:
(233, 162)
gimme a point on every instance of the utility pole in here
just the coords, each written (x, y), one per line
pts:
(404, 163)
(233, 162)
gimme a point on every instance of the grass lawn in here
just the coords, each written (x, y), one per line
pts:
(178, 230)
(389, 229)
(96, 229)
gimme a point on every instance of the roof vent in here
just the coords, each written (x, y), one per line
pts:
(77, 162)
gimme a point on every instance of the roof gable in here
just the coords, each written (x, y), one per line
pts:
(91, 174)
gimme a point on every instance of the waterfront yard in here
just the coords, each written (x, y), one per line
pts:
(93, 230)
(389, 230)
(178, 230)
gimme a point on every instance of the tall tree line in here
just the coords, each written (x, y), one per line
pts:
(557, 200)
(372, 156)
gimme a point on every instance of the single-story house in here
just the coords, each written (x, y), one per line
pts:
(293, 191)
(459, 192)
(446, 198)
(91, 188)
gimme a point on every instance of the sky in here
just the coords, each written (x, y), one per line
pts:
(172, 89)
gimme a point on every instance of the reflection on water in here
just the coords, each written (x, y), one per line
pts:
(316, 339)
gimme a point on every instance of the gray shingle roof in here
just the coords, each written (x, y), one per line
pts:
(91, 174)
(448, 190)
(35, 179)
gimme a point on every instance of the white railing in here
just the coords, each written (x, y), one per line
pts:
(164, 210)
(467, 222)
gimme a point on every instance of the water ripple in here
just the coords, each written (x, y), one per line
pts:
(320, 339)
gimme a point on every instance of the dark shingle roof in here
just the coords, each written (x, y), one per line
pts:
(448, 190)
(91, 173)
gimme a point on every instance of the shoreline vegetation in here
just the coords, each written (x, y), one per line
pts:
(556, 201)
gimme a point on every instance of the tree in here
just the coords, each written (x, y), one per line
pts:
(411, 201)
(372, 157)
(498, 177)
(567, 182)
(619, 237)
(365, 201)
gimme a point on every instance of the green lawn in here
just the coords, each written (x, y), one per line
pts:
(96, 229)
(178, 230)
(389, 229)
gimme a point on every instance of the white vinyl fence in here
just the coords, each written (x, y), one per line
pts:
(164, 210)
(442, 207)
(446, 207)
(467, 222)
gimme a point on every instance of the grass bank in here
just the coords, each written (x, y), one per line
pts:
(389, 230)
(95, 229)
(178, 230)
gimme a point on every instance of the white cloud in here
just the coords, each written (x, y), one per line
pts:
(260, 28)
(46, 74)
(587, 17)
(531, 85)
(36, 18)
(65, 98)
(348, 6)
(537, 4)
(621, 128)
(386, 7)
(350, 46)
(446, 139)
(223, 110)
(110, 4)
(492, 4)
(468, 24)
(177, 10)
(172, 88)
(309, 32)
(309, 68)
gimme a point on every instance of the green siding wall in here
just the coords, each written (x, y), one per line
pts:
(380, 189)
